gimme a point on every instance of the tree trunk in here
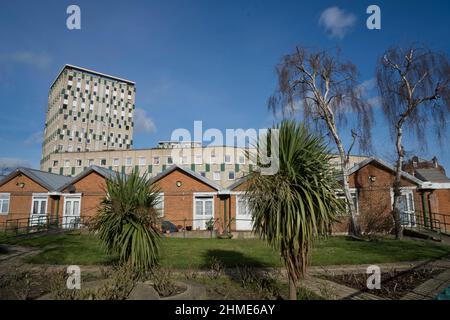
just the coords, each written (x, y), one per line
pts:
(397, 183)
(292, 289)
(354, 227)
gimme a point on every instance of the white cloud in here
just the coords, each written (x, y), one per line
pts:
(35, 138)
(336, 22)
(142, 122)
(38, 60)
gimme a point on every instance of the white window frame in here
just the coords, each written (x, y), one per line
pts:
(225, 159)
(204, 195)
(160, 209)
(114, 160)
(171, 160)
(128, 161)
(214, 175)
(198, 159)
(5, 197)
(234, 175)
(142, 161)
(156, 161)
(71, 196)
(38, 196)
(352, 191)
(243, 159)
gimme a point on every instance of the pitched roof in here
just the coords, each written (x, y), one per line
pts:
(238, 182)
(49, 181)
(106, 173)
(431, 175)
(187, 171)
(384, 164)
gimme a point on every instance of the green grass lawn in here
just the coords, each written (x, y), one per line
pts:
(197, 253)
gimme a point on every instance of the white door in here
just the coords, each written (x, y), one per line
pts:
(38, 214)
(243, 216)
(71, 216)
(203, 212)
(406, 206)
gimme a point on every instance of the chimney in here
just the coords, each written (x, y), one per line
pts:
(415, 160)
(435, 162)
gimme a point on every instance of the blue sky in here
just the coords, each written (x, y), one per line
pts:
(194, 60)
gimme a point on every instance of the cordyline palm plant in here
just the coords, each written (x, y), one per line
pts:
(127, 220)
(297, 204)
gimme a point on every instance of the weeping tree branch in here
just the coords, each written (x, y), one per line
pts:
(414, 89)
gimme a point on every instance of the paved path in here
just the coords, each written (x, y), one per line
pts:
(325, 288)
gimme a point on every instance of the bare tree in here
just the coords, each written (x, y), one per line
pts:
(326, 92)
(415, 93)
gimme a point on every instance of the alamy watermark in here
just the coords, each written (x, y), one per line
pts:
(261, 146)
(374, 279)
(74, 278)
(73, 21)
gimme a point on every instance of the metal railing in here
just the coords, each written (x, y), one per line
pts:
(437, 222)
(41, 223)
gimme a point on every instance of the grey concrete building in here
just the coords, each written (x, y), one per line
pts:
(87, 111)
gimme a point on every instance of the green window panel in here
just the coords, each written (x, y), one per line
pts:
(164, 167)
(193, 167)
(207, 167)
(61, 170)
(236, 167)
(149, 168)
(136, 168)
(123, 169)
(73, 171)
(250, 167)
(222, 167)
(50, 170)
(110, 167)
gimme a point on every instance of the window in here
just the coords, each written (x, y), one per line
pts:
(103, 162)
(198, 159)
(203, 173)
(55, 163)
(216, 175)
(78, 162)
(160, 205)
(354, 194)
(115, 162)
(155, 161)
(241, 159)
(128, 161)
(227, 158)
(169, 160)
(141, 161)
(66, 163)
(91, 162)
(231, 175)
(213, 159)
(4, 203)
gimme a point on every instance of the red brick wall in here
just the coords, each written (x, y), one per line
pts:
(21, 198)
(178, 201)
(92, 189)
(374, 199)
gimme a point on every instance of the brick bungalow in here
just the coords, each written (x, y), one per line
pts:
(29, 197)
(189, 200)
(82, 194)
(435, 191)
(371, 183)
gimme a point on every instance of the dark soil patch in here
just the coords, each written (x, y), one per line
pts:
(394, 283)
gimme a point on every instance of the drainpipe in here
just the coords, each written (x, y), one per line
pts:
(225, 229)
(424, 209)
